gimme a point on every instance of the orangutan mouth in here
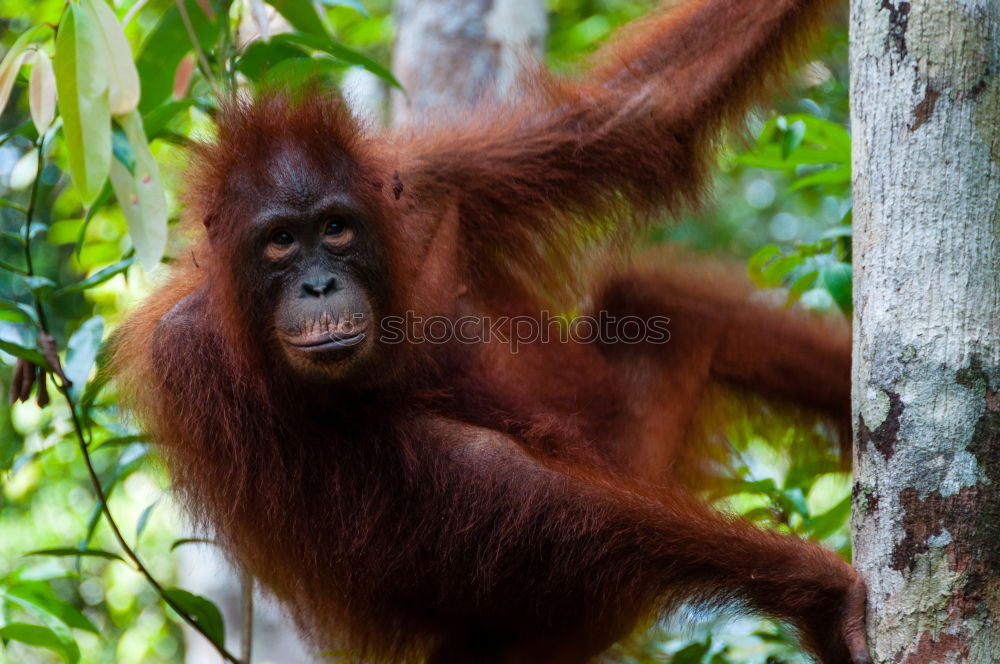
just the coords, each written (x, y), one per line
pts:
(333, 340)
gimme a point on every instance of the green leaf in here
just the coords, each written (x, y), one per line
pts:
(765, 486)
(756, 263)
(140, 524)
(189, 540)
(41, 637)
(97, 278)
(759, 514)
(796, 500)
(339, 51)
(82, 85)
(302, 16)
(67, 552)
(733, 485)
(769, 156)
(93, 519)
(774, 273)
(832, 137)
(123, 79)
(352, 4)
(166, 45)
(34, 597)
(129, 461)
(173, 138)
(64, 231)
(18, 312)
(830, 521)
(783, 145)
(123, 440)
(38, 284)
(11, 442)
(838, 231)
(16, 240)
(202, 611)
(837, 279)
(95, 386)
(259, 57)
(800, 285)
(11, 268)
(770, 130)
(157, 119)
(30, 354)
(11, 204)
(11, 63)
(102, 198)
(121, 148)
(81, 351)
(140, 195)
(37, 229)
(45, 571)
(300, 71)
(99, 253)
(792, 137)
(693, 653)
(840, 175)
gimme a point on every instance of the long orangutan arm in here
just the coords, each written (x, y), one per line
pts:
(796, 357)
(642, 550)
(717, 325)
(633, 138)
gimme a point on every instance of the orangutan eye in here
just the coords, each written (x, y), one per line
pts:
(282, 238)
(334, 227)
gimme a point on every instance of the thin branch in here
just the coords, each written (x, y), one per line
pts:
(12, 268)
(228, 50)
(129, 551)
(63, 386)
(246, 616)
(206, 69)
(30, 215)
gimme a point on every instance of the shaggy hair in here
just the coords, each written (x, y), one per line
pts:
(462, 503)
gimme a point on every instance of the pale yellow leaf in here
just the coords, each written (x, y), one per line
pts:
(24, 171)
(141, 196)
(42, 92)
(8, 74)
(123, 78)
(82, 84)
(11, 63)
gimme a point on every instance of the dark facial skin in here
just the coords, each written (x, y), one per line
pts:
(314, 255)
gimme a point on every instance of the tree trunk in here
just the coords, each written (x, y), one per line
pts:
(925, 104)
(449, 52)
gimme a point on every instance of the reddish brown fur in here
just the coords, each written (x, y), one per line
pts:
(463, 503)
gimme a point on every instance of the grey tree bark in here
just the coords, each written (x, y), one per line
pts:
(449, 52)
(925, 96)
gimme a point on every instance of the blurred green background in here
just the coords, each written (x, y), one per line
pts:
(781, 204)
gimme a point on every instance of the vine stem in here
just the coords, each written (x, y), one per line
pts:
(129, 551)
(228, 50)
(29, 216)
(246, 615)
(206, 69)
(81, 439)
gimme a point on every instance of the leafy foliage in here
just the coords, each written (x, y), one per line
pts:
(93, 102)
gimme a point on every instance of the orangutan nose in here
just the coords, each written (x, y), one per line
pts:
(318, 287)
